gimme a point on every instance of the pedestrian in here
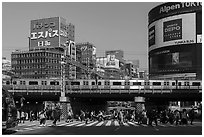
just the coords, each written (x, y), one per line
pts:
(144, 117)
(31, 116)
(23, 116)
(86, 117)
(153, 117)
(42, 116)
(184, 117)
(177, 116)
(115, 115)
(100, 116)
(56, 115)
(82, 115)
(91, 116)
(191, 115)
(121, 118)
(18, 116)
(171, 117)
(69, 116)
(26, 116)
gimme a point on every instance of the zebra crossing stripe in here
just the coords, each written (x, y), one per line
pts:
(108, 123)
(92, 123)
(125, 124)
(144, 125)
(73, 123)
(99, 124)
(29, 129)
(81, 124)
(116, 123)
(62, 124)
(133, 124)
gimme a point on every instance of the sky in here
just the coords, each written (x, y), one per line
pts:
(107, 25)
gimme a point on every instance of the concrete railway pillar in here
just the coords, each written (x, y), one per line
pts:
(139, 101)
(65, 106)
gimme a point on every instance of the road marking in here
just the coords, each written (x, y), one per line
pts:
(143, 125)
(81, 124)
(116, 123)
(92, 123)
(28, 128)
(133, 124)
(162, 125)
(99, 124)
(125, 124)
(74, 123)
(108, 123)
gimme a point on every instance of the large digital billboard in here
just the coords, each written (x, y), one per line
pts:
(44, 32)
(174, 30)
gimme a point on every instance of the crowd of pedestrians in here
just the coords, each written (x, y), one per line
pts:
(148, 117)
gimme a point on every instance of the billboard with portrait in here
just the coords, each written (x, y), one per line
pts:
(174, 30)
(44, 33)
(112, 62)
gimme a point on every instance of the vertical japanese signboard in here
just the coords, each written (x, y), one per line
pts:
(63, 32)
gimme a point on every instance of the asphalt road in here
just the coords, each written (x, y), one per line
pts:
(104, 128)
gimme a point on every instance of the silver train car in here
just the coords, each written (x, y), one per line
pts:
(82, 84)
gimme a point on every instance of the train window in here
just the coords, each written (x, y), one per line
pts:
(99, 83)
(173, 83)
(186, 83)
(116, 83)
(85, 82)
(66, 82)
(107, 83)
(196, 84)
(127, 83)
(14, 82)
(44, 82)
(137, 83)
(7, 82)
(75, 83)
(156, 83)
(33, 82)
(166, 83)
(92, 83)
(146, 83)
(179, 83)
(54, 83)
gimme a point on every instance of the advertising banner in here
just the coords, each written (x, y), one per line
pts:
(109, 62)
(112, 62)
(152, 36)
(173, 8)
(175, 58)
(63, 30)
(44, 32)
(174, 30)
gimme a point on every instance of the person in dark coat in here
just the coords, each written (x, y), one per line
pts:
(56, 115)
(191, 115)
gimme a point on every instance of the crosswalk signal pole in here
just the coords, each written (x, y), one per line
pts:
(63, 98)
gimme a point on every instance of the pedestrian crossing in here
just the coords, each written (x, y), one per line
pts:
(106, 123)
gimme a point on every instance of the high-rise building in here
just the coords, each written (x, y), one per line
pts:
(86, 56)
(50, 39)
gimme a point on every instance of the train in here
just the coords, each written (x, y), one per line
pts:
(80, 84)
